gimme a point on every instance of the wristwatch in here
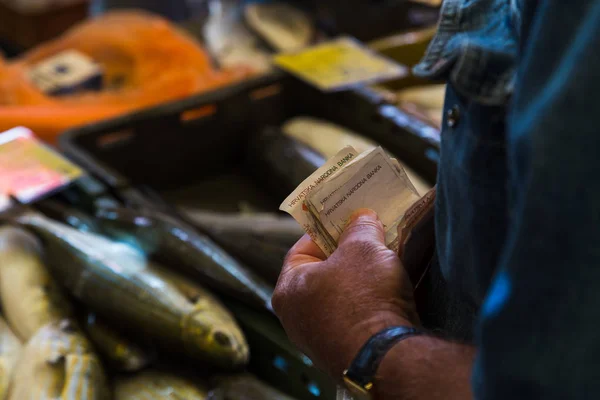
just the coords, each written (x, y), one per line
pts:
(359, 378)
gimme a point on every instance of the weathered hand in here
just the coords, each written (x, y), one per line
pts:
(330, 307)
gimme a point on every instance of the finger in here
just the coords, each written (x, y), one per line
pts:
(303, 252)
(363, 225)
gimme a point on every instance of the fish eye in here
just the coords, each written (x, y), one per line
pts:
(222, 339)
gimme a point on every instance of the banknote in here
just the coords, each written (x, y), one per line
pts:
(323, 203)
(294, 203)
(367, 180)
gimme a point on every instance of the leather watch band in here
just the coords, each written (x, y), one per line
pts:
(364, 367)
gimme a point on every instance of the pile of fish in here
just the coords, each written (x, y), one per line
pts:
(292, 152)
(93, 306)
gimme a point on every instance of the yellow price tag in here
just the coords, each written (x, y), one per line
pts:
(339, 64)
(29, 169)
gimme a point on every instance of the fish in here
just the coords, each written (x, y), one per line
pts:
(68, 215)
(328, 138)
(324, 136)
(30, 296)
(429, 98)
(10, 351)
(284, 27)
(261, 240)
(121, 353)
(59, 363)
(157, 385)
(181, 246)
(244, 387)
(280, 162)
(116, 281)
(230, 42)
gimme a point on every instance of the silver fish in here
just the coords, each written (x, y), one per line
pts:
(68, 215)
(116, 281)
(230, 41)
(157, 385)
(244, 387)
(30, 296)
(260, 240)
(281, 162)
(10, 352)
(121, 353)
(283, 26)
(328, 138)
(188, 250)
(58, 363)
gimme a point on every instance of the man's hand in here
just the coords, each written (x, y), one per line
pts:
(331, 307)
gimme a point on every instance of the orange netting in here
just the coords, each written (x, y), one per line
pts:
(146, 61)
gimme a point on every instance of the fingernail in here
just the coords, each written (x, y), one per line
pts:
(361, 213)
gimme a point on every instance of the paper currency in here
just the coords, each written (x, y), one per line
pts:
(294, 203)
(347, 182)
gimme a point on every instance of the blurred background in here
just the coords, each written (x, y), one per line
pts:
(178, 136)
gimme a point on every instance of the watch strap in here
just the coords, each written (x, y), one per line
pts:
(364, 367)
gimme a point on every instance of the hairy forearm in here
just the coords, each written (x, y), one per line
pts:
(426, 368)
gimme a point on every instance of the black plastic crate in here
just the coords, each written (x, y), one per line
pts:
(166, 145)
(146, 156)
(273, 358)
(372, 19)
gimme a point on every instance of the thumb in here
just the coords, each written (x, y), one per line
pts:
(365, 226)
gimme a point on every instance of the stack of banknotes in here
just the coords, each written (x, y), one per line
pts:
(349, 181)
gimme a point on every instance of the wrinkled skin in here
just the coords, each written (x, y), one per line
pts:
(331, 307)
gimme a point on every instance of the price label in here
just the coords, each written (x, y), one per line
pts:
(29, 169)
(339, 64)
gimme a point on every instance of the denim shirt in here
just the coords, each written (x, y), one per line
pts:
(518, 208)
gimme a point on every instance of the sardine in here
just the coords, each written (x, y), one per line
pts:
(115, 347)
(58, 363)
(183, 247)
(283, 26)
(259, 240)
(68, 215)
(115, 281)
(10, 351)
(281, 163)
(157, 385)
(244, 387)
(31, 298)
(328, 138)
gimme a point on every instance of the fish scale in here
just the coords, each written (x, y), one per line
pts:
(121, 352)
(10, 351)
(183, 248)
(155, 385)
(119, 283)
(30, 296)
(58, 364)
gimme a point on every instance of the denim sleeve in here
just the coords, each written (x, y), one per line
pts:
(539, 328)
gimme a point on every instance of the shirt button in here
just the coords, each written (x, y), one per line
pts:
(453, 116)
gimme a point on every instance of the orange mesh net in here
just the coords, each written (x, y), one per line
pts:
(146, 61)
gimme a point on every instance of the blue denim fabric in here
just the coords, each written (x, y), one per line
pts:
(475, 49)
(518, 212)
